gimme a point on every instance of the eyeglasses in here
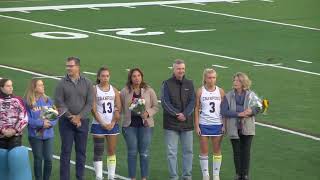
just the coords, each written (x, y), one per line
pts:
(70, 66)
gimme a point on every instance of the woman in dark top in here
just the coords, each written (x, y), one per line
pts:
(240, 118)
(137, 127)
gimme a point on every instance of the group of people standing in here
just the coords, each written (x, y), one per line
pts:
(209, 111)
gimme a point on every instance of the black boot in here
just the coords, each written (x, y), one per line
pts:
(237, 177)
(245, 177)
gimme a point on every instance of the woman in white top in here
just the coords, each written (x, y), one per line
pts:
(106, 112)
(209, 123)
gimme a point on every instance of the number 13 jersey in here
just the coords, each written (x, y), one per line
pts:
(210, 107)
(105, 104)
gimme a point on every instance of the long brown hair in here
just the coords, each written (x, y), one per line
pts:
(99, 73)
(129, 81)
(30, 94)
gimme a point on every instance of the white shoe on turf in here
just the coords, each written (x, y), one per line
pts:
(215, 177)
(206, 178)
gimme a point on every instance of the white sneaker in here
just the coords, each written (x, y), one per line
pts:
(216, 177)
(206, 178)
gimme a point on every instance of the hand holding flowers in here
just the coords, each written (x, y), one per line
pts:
(138, 106)
(47, 115)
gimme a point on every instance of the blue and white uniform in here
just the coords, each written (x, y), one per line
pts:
(210, 122)
(105, 103)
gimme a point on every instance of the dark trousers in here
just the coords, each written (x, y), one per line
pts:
(42, 151)
(68, 134)
(11, 142)
(241, 154)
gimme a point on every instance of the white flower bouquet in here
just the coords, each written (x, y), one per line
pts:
(138, 105)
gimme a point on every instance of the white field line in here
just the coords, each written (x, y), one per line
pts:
(202, 4)
(194, 30)
(164, 46)
(242, 17)
(81, 6)
(277, 64)
(29, 72)
(21, 1)
(94, 8)
(86, 166)
(90, 73)
(61, 10)
(215, 65)
(261, 124)
(131, 7)
(41, 77)
(24, 11)
(303, 61)
(288, 131)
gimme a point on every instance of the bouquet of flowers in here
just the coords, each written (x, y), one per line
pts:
(256, 102)
(50, 114)
(138, 105)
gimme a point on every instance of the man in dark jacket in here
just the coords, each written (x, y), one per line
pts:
(178, 100)
(74, 98)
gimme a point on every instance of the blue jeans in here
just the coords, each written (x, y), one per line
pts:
(186, 139)
(138, 140)
(42, 150)
(68, 134)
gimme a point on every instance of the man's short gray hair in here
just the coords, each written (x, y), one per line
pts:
(177, 62)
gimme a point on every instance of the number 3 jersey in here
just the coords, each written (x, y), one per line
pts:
(105, 104)
(210, 107)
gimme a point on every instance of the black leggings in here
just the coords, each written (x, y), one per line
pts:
(241, 154)
(10, 143)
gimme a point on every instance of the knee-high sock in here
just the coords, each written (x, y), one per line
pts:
(98, 169)
(204, 164)
(216, 164)
(111, 163)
